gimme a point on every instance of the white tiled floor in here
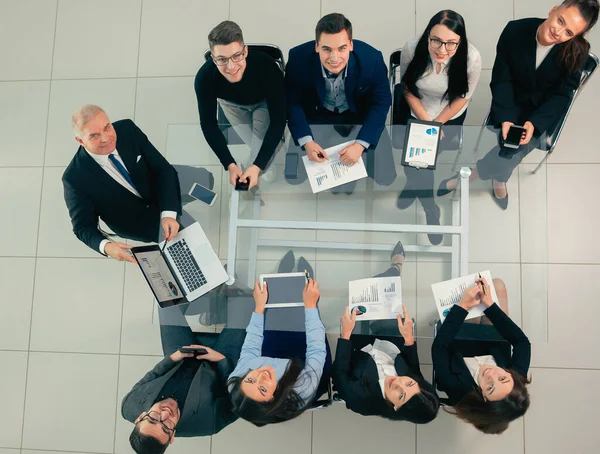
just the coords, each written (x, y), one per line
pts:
(77, 330)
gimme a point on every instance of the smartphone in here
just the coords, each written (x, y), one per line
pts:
(241, 185)
(513, 137)
(203, 194)
(196, 351)
(291, 166)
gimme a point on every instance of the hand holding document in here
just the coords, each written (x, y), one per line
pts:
(332, 172)
(378, 298)
(449, 293)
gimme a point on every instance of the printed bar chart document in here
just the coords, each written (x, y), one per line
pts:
(332, 172)
(379, 298)
(449, 293)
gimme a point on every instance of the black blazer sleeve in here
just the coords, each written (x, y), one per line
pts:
(84, 218)
(165, 175)
(295, 86)
(346, 385)
(521, 354)
(503, 95)
(164, 366)
(441, 354)
(557, 102)
(411, 358)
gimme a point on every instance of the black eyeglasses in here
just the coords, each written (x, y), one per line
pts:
(154, 416)
(437, 43)
(236, 58)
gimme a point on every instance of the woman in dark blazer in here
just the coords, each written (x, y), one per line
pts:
(380, 375)
(403, 395)
(486, 385)
(537, 68)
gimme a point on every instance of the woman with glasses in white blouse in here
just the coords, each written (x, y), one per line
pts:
(439, 72)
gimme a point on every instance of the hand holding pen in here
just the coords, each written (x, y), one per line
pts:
(486, 296)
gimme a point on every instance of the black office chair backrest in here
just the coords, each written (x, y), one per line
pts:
(394, 64)
(589, 67)
(270, 49)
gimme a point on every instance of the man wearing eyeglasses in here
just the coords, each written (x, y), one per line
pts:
(185, 394)
(249, 88)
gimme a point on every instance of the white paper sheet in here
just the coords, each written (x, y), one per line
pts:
(422, 144)
(331, 172)
(448, 293)
(380, 296)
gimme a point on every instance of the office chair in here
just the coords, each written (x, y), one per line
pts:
(550, 141)
(224, 126)
(400, 108)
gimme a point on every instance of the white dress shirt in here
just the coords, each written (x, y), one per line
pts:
(110, 168)
(432, 85)
(474, 365)
(384, 354)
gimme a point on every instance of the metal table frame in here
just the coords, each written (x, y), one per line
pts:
(459, 249)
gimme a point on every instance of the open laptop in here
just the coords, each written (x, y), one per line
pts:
(187, 269)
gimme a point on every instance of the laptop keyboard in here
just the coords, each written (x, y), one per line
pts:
(187, 266)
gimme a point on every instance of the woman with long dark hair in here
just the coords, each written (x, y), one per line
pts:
(537, 69)
(379, 375)
(486, 383)
(268, 390)
(439, 72)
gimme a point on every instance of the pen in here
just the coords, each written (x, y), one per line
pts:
(306, 274)
(164, 246)
(482, 285)
(321, 155)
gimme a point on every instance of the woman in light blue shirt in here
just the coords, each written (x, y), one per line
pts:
(267, 390)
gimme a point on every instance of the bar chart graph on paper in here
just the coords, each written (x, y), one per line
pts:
(417, 151)
(321, 179)
(455, 295)
(369, 294)
(391, 288)
(339, 170)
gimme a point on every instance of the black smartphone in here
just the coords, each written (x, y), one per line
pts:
(291, 166)
(513, 137)
(241, 185)
(196, 351)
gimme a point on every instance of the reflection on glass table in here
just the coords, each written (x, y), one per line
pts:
(349, 233)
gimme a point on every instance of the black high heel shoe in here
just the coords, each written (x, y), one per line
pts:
(443, 189)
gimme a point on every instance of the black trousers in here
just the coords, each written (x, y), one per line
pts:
(421, 181)
(500, 161)
(176, 333)
(335, 128)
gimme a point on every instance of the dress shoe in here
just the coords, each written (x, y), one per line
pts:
(398, 249)
(432, 214)
(304, 265)
(443, 190)
(503, 202)
(287, 263)
(406, 198)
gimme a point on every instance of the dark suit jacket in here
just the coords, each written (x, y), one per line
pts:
(91, 193)
(207, 408)
(452, 374)
(521, 93)
(366, 86)
(355, 375)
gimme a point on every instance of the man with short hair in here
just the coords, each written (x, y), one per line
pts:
(338, 81)
(185, 394)
(117, 175)
(249, 88)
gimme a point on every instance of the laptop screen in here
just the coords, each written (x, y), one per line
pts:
(158, 275)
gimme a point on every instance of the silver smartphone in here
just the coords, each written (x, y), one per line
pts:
(513, 137)
(203, 194)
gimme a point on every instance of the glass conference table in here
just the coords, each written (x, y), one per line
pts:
(349, 233)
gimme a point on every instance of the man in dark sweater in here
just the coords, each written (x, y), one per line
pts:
(249, 88)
